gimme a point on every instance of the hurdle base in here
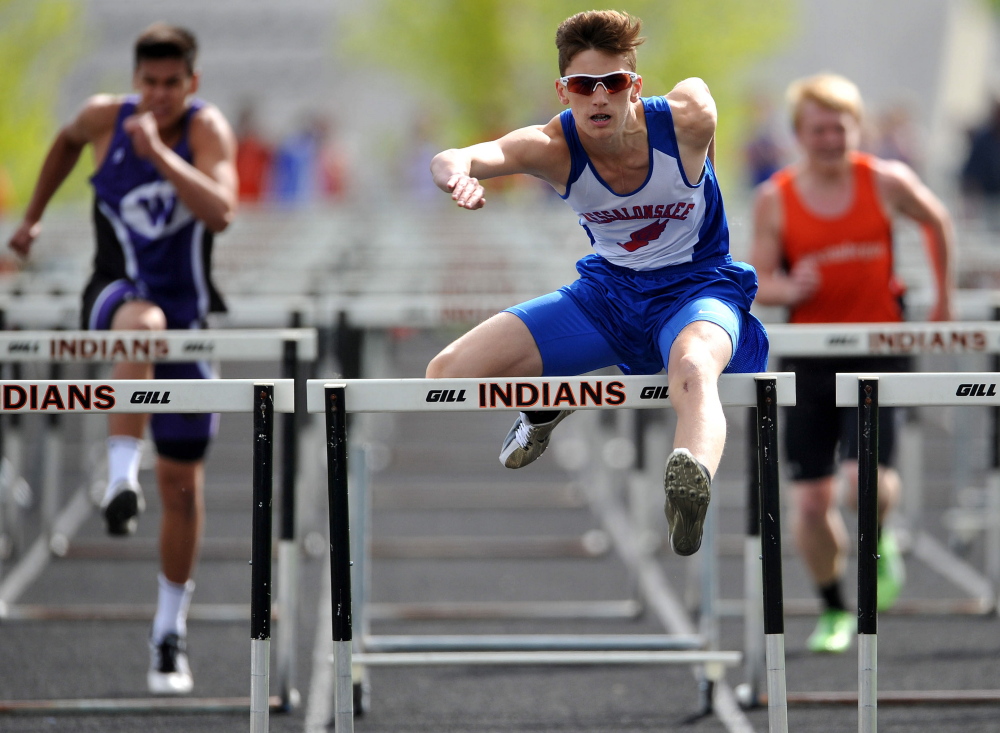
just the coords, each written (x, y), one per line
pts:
(894, 697)
(137, 705)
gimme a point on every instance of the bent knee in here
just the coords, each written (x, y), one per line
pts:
(814, 499)
(443, 366)
(180, 498)
(139, 315)
(693, 374)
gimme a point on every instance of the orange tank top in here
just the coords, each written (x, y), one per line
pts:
(852, 251)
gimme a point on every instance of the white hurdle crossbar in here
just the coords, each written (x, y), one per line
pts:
(263, 399)
(868, 392)
(883, 339)
(145, 346)
(338, 398)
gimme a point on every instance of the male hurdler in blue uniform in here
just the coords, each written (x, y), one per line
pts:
(165, 183)
(660, 289)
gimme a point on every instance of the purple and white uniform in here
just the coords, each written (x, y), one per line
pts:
(150, 247)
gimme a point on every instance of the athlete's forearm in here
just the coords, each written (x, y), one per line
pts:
(776, 289)
(940, 241)
(59, 163)
(211, 201)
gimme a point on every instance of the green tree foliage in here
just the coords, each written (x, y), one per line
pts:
(490, 65)
(37, 45)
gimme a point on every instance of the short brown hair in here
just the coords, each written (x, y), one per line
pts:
(601, 30)
(827, 90)
(163, 41)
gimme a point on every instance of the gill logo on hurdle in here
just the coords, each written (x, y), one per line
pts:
(976, 390)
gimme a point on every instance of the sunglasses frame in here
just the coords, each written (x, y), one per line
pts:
(598, 79)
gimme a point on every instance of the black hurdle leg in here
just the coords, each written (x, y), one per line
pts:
(770, 533)
(288, 557)
(754, 654)
(340, 556)
(867, 554)
(260, 553)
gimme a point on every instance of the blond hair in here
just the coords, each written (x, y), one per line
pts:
(827, 90)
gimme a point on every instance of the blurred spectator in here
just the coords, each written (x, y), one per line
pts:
(332, 161)
(253, 157)
(896, 137)
(980, 175)
(309, 165)
(766, 149)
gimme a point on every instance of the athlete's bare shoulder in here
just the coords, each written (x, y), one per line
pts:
(896, 181)
(210, 120)
(95, 119)
(211, 130)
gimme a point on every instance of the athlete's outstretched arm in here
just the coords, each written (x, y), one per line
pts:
(96, 117)
(538, 150)
(208, 187)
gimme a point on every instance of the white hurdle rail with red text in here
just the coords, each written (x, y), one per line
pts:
(263, 399)
(291, 347)
(337, 398)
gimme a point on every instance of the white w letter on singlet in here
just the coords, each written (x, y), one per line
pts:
(153, 210)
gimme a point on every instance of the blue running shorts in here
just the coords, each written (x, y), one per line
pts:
(615, 315)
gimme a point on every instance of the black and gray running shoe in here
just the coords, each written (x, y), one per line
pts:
(689, 489)
(526, 440)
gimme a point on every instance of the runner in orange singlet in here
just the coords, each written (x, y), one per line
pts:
(823, 247)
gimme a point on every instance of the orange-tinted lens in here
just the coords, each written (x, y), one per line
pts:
(586, 85)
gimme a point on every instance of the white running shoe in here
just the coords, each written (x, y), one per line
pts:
(121, 508)
(526, 441)
(169, 673)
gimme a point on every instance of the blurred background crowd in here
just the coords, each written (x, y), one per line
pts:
(340, 104)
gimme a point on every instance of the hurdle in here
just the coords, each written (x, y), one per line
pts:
(262, 399)
(338, 398)
(290, 347)
(869, 392)
(918, 339)
(861, 341)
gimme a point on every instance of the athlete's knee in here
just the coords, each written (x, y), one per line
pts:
(180, 488)
(139, 315)
(813, 500)
(180, 498)
(692, 376)
(444, 365)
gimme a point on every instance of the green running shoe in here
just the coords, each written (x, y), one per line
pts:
(890, 570)
(834, 632)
